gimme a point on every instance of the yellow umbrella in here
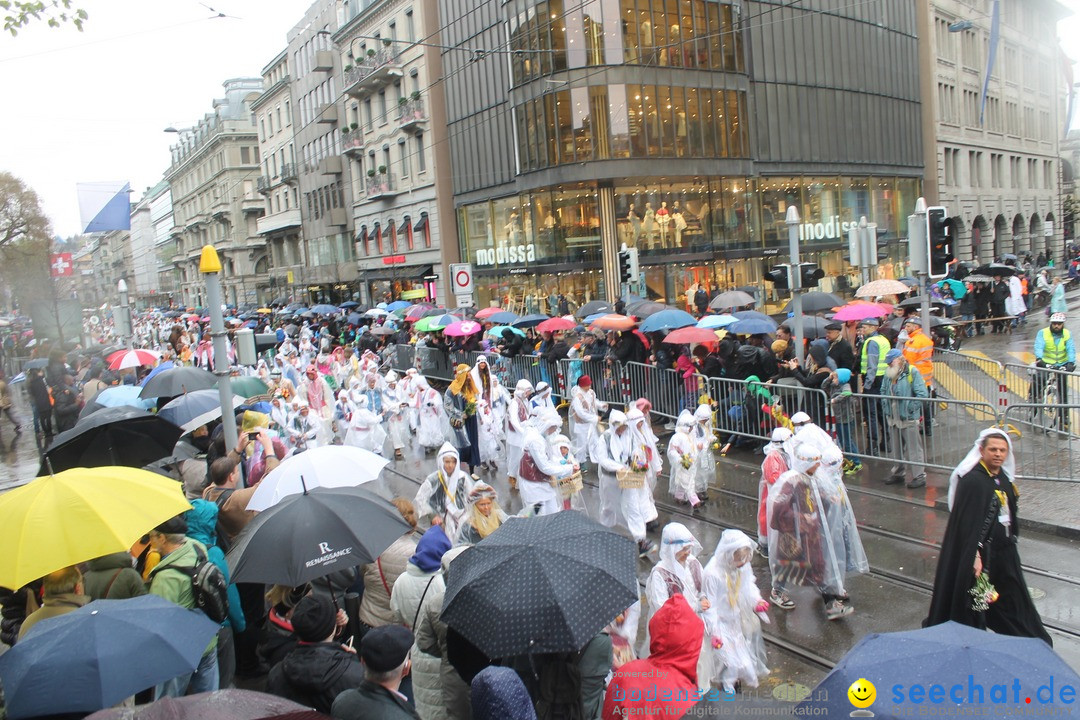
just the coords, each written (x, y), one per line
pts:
(264, 311)
(78, 515)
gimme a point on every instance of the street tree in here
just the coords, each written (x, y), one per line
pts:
(55, 13)
(24, 240)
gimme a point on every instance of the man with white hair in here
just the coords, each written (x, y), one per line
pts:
(539, 466)
(517, 420)
(304, 428)
(902, 394)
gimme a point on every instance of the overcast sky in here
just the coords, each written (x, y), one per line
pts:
(92, 106)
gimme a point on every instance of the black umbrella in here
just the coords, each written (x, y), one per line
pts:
(178, 381)
(813, 326)
(291, 330)
(529, 320)
(995, 269)
(646, 308)
(732, 299)
(917, 302)
(193, 409)
(815, 302)
(308, 536)
(592, 308)
(112, 436)
(935, 321)
(541, 585)
(909, 281)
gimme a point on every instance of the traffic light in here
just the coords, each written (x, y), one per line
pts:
(628, 265)
(809, 274)
(778, 276)
(939, 240)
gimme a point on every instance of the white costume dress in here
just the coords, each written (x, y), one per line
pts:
(636, 503)
(445, 497)
(705, 472)
(364, 428)
(395, 412)
(537, 491)
(487, 432)
(682, 456)
(583, 418)
(517, 421)
(733, 616)
(611, 453)
(500, 406)
(432, 425)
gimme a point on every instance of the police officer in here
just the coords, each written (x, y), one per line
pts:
(873, 365)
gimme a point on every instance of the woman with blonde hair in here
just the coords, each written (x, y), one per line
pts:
(484, 515)
(460, 405)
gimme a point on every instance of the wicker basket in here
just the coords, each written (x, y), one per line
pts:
(569, 486)
(630, 479)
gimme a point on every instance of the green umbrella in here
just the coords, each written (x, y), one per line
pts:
(248, 386)
(427, 324)
(958, 288)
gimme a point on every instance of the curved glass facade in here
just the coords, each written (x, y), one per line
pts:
(553, 36)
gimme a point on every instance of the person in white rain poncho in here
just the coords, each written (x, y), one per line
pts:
(703, 440)
(736, 610)
(563, 454)
(432, 425)
(541, 399)
(539, 467)
(850, 557)
(444, 495)
(517, 420)
(316, 392)
(614, 452)
(679, 571)
(644, 456)
(365, 431)
(280, 414)
(484, 516)
(500, 406)
(801, 549)
(777, 462)
(409, 390)
(487, 435)
(303, 431)
(682, 459)
(584, 416)
(395, 413)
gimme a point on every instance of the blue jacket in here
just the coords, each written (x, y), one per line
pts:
(202, 526)
(909, 386)
(1040, 345)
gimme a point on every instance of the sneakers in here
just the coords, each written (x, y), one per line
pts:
(645, 547)
(781, 600)
(852, 467)
(894, 479)
(836, 610)
(917, 482)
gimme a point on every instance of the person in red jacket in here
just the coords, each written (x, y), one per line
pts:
(665, 683)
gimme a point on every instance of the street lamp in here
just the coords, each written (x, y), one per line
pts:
(210, 267)
(125, 327)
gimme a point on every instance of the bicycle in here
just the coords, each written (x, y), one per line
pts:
(1045, 396)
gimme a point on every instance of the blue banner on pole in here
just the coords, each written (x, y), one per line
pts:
(104, 206)
(995, 31)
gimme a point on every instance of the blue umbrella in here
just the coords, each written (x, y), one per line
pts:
(324, 310)
(529, 320)
(905, 666)
(397, 305)
(123, 395)
(299, 311)
(349, 305)
(753, 315)
(497, 331)
(753, 326)
(715, 322)
(666, 320)
(356, 319)
(502, 318)
(167, 365)
(82, 661)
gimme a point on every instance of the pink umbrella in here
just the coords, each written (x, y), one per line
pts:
(122, 359)
(613, 321)
(861, 311)
(687, 335)
(462, 328)
(556, 324)
(487, 312)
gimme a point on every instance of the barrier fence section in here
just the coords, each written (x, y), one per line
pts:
(1043, 452)
(744, 413)
(610, 381)
(668, 390)
(971, 378)
(1029, 384)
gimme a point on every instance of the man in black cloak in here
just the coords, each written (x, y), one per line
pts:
(981, 537)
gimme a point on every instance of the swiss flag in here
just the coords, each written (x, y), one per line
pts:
(60, 265)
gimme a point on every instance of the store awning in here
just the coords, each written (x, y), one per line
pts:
(420, 224)
(363, 236)
(400, 272)
(421, 272)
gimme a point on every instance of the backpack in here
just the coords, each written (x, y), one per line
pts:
(208, 586)
(222, 538)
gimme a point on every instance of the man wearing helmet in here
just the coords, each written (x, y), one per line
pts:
(1054, 348)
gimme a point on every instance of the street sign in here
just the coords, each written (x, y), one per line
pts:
(60, 265)
(461, 278)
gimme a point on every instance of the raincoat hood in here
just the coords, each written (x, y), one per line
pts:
(685, 422)
(675, 537)
(730, 541)
(754, 385)
(523, 388)
(546, 421)
(780, 440)
(805, 457)
(703, 413)
(675, 636)
(499, 694)
(202, 521)
(617, 418)
(559, 441)
(429, 551)
(447, 449)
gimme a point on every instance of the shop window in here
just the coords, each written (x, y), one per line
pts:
(619, 121)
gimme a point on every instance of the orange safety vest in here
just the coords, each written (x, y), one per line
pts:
(919, 351)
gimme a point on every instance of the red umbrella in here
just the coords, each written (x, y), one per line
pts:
(487, 312)
(614, 321)
(556, 324)
(131, 358)
(687, 335)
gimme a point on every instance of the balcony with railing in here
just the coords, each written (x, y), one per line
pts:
(378, 68)
(381, 185)
(352, 142)
(412, 116)
(262, 184)
(289, 173)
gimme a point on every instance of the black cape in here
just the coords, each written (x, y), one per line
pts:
(1014, 612)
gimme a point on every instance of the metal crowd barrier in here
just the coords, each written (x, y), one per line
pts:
(609, 379)
(971, 378)
(668, 391)
(1047, 449)
(740, 415)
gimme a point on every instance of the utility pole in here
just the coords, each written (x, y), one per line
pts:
(918, 244)
(210, 267)
(792, 221)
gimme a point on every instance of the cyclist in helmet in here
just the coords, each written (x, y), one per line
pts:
(1054, 348)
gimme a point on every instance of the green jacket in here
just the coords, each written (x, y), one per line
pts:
(115, 574)
(175, 585)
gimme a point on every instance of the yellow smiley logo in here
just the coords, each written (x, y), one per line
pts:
(862, 693)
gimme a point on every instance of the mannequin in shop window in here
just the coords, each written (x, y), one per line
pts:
(663, 219)
(648, 226)
(635, 226)
(513, 229)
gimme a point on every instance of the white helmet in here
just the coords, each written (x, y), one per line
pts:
(1057, 317)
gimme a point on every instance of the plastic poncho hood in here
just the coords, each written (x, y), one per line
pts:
(974, 456)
